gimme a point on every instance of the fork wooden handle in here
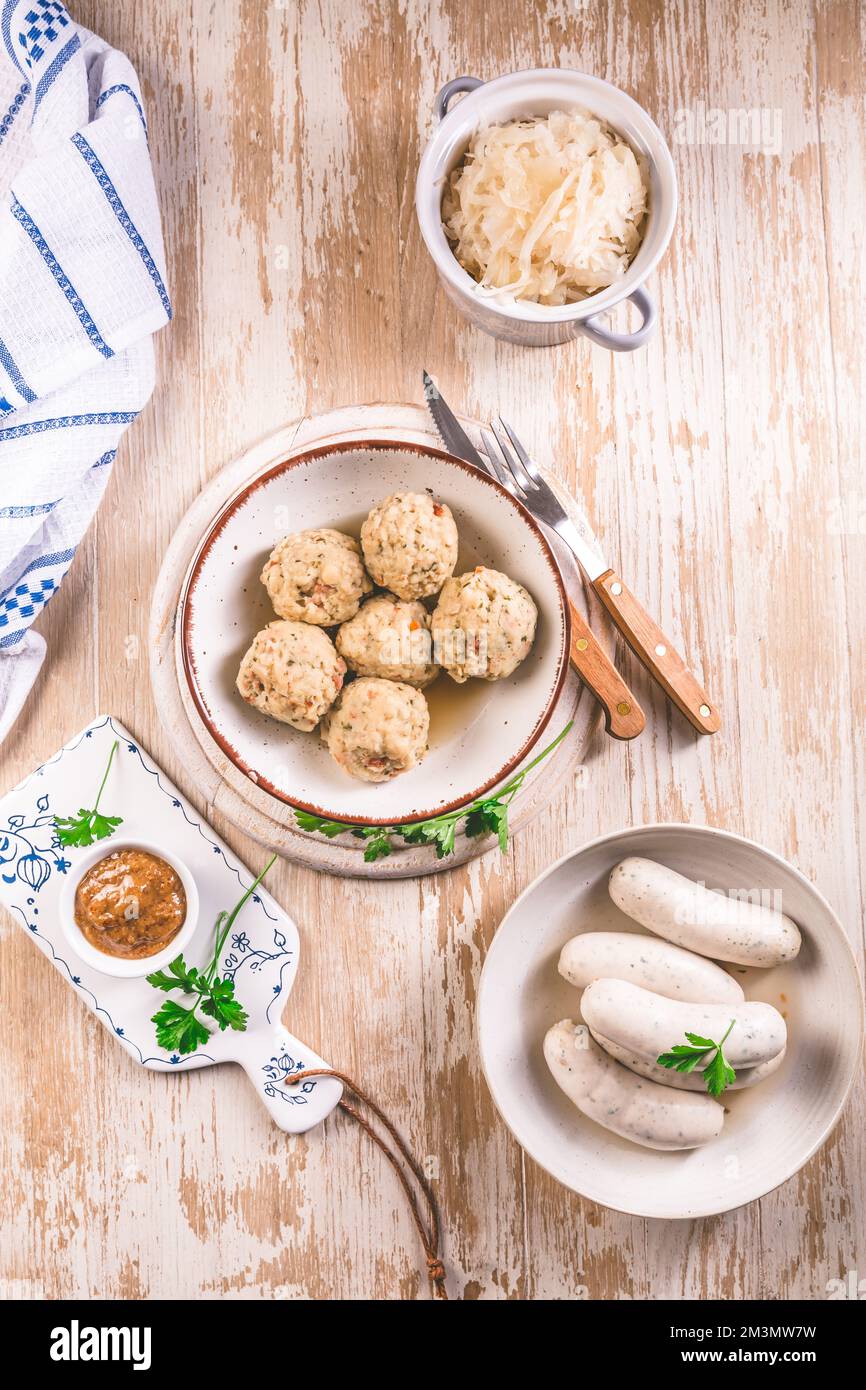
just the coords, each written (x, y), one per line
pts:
(623, 716)
(657, 653)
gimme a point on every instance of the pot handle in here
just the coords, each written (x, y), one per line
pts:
(595, 330)
(457, 84)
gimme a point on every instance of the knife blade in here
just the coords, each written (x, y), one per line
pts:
(457, 441)
(449, 428)
(623, 716)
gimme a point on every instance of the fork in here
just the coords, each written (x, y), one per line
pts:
(512, 466)
(623, 717)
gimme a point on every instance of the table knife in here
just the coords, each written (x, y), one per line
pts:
(644, 636)
(623, 716)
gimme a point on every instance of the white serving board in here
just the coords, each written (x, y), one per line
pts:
(261, 954)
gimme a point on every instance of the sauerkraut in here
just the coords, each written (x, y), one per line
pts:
(549, 209)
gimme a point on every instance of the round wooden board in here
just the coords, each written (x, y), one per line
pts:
(224, 787)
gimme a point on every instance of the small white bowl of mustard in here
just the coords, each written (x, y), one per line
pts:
(128, 907)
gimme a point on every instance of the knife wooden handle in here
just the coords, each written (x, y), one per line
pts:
(623, 716)
(657, 653)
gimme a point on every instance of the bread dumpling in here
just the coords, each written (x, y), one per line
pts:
(378, 730)
(291, 672)
(316, 577)
(410, 544)
(389, 637)
(483, 625)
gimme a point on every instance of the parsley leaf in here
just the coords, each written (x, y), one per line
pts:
(377, 847)
(77, 832)
(439, 832)
(331, 828)
(718, 1074)
(489, 818)
(177, 1028)
(413, 834)
(181, 976)
(103, 826)
(486, 816)
(74, 831)
(222, 1005)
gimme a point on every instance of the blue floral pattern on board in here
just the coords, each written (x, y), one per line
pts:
(277, 1070)
(30, 853)
(30, 848)
(243, 956)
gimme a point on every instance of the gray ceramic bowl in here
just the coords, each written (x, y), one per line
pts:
(770, 1131)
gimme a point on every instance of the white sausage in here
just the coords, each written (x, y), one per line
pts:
(645, 961)
(710, 923)
(648, 1024)
(691, 1080)
(639, 1110)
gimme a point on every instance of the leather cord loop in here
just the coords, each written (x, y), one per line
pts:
(399, 1156)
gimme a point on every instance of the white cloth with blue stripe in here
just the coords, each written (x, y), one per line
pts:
(82, 289)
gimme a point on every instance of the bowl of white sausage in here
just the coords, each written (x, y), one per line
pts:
(670, 1020)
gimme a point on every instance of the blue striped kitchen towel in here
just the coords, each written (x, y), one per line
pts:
(82, 288)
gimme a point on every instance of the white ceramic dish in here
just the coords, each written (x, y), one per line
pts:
(260, 955)
(537, 93)
(771, 1131)
(229, 791)
(98, 960)
(479, 732)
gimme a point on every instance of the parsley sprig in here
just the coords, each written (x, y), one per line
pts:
(718, 1074)
(486, 816)
(177, 1028)
(80, 831)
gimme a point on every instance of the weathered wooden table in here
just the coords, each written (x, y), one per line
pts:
(724, 468)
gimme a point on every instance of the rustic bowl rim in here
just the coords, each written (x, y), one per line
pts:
(218, 523)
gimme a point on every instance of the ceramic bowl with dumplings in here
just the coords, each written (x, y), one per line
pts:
(769, 1131)
(481, 732)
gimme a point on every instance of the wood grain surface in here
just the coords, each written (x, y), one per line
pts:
(723, 467)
